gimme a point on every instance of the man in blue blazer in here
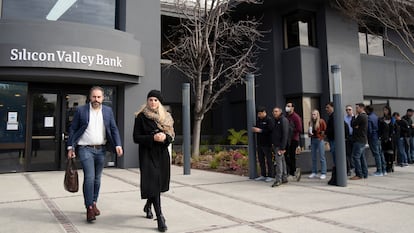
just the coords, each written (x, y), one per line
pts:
(93, 127)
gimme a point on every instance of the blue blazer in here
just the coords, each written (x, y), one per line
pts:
(80, 123)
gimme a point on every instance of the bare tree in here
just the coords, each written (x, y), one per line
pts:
(213, 51)
(396, 17)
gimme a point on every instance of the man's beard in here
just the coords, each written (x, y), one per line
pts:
(96, 104)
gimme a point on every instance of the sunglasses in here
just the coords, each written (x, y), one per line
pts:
(348, 109)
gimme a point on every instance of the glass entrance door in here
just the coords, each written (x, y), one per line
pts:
(52, 112)
(52, 115)
(45, 132)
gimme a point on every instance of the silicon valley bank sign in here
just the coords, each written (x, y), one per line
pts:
(71, 58)
(65, 57)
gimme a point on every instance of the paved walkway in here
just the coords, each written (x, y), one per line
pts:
(211, 202)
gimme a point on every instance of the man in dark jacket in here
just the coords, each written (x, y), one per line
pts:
(93, 126)
(330, 130)
(401, 135)
(280, 134)
(359, 137)
(264, 127)
(410, 139)
(374, 142)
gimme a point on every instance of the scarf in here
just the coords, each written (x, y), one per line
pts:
(165, 125)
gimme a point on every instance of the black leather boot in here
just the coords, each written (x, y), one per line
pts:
(332, 181)
(161, 224)
(147, 210)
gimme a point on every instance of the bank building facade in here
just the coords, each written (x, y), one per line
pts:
(53, 52)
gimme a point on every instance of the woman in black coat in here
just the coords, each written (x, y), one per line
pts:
(153, 131)
(386, 130)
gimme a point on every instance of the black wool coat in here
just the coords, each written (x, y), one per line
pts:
(154, 158)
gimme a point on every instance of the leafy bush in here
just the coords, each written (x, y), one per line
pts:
(217, 148)
(203, 149)
(237, 137)
(214, 164)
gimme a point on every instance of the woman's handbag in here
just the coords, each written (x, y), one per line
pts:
(71, 182)
(327, 146)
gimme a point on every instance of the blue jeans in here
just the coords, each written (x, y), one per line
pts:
(360, 162)
(92, 161)
(375, 147)
(401, 151)
(281, 170)
(318, 145)
(411, 154)
(332, 150)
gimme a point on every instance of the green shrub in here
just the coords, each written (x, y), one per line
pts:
(244, 152)
(214, 164)
(217, 148)
(237, 137)
(203, 149)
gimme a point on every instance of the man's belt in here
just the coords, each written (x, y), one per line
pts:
(96, 147)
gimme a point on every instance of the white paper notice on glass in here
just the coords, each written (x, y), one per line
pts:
(49, 122)
(12, 126)
(12, 117)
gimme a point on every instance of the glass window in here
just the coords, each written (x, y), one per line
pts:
(96, 12)
(299, 29)
(369, 43)
(12, 112)
(375, 45)
(363, 46)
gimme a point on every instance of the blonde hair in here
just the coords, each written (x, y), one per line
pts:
(315, 123)
(161, 111)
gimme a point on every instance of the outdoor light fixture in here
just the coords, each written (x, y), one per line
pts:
(59, 9)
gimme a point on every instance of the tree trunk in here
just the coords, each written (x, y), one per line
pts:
(196, 137)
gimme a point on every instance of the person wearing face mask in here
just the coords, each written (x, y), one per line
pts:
(92, 127)
(295, 122)
(154, 132)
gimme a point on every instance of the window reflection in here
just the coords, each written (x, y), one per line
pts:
(299, 29)
(12, 112)
(369, 43)
(96, 12)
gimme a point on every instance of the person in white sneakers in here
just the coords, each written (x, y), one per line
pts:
(316, 132)
(263, 129)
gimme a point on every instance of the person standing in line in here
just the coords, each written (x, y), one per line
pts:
(93, 126)
(293, 143)
(359, 136)
(280, 134)
(349, 117)
(330, 130)
(410, 139)
(317, 127)
(386, 133)
(263, 128)
(154, 132)
(402, 131)
(373, 141)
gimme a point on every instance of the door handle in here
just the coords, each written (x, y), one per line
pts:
(43, 137)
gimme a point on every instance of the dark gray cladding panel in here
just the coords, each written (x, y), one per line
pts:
(70, 46)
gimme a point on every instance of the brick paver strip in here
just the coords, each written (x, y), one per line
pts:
(64, 221)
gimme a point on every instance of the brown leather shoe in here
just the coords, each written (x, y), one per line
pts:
(355, 178)
(95, 209)
(90, 214)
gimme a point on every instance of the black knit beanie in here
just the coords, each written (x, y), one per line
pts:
(156, 94)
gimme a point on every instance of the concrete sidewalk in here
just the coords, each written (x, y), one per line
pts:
(210, 202)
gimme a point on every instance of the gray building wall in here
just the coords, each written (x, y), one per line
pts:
(343, 49)
(142, 19)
